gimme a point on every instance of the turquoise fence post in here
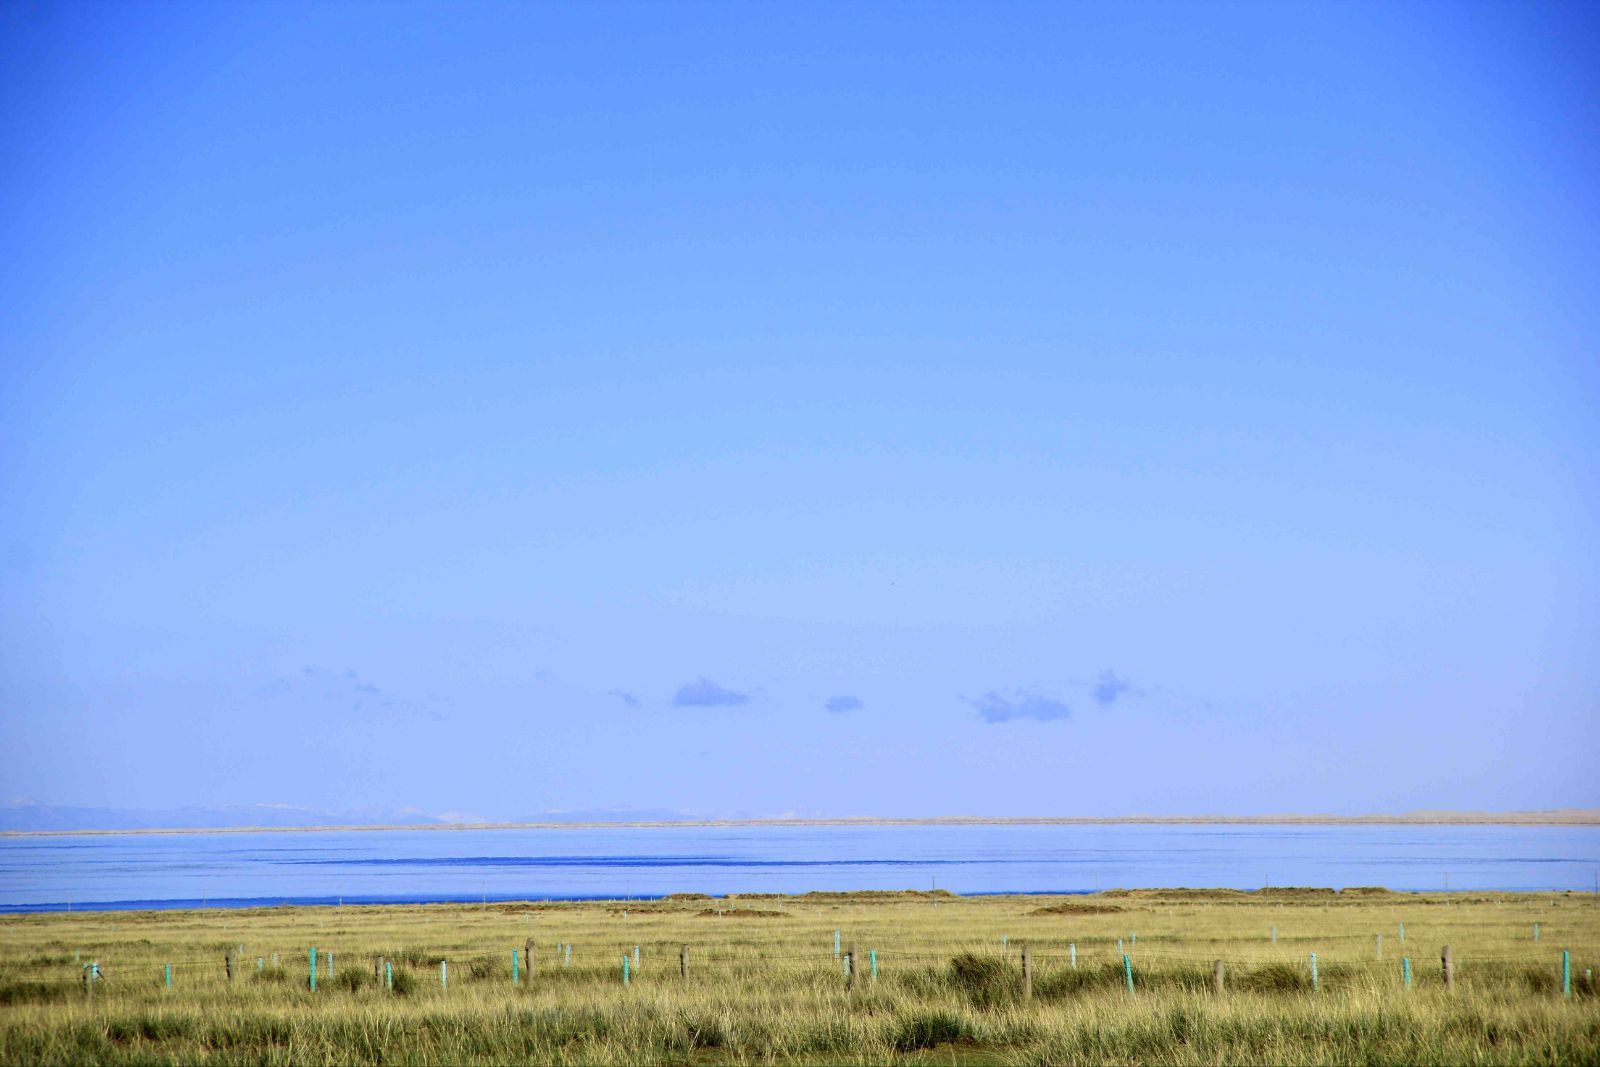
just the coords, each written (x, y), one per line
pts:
(1405, 971)
(872, 955)
(1072, 954)
(1566, 974)
(624, 968)
(169, 975)
(261, 964)
(313, 970)
(836, 944)
(444, 974)
(514, 975)
(1127, 972)
(388, 975)
(1314, 985)
(1536, 931)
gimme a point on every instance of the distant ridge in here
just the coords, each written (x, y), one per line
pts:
(31, 819)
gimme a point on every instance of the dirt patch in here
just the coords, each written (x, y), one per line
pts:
(1079, 907)
(742, 913)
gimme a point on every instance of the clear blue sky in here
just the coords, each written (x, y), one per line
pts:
(841, 409)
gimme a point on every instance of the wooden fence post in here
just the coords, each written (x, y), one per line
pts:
(527, 959)
(1216, 977)
(683, 961)
(1027, 973)
(227, 965)
(850, 966)
(1449, 968)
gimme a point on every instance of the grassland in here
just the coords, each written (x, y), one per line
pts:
(764, 984)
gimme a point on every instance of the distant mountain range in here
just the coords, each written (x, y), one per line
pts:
(25, 813)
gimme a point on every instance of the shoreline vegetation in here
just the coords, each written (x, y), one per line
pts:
(1552, 817)
(1162, 976)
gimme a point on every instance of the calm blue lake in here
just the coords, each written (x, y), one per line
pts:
(226, 870)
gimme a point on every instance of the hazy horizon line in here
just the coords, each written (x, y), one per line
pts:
(1540, 817)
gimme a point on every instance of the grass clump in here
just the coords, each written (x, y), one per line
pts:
(984, 980)
(928, 1031)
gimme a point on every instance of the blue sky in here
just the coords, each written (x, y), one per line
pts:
(828, 409)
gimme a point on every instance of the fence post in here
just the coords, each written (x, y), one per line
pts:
(516, 976)
(1536, 931)
(1274, 935)
(1566, 974)
(1314, 985)
(683, 961)
(567, 960)
(1216, 977)
(313, 969)
(1027, 973)
(388, 974)
(1127, 973)
(636, 959)
(1402, 933)
(444, 974)
(836, 944)
(261, 964)
(850, 966)
(527, 959)
(872, 954)
(168, 975)
(1405, 971)
(1449, 968)
(624, 968)
(1072, 954)
(330, 966)
(1379, 956)
(227, 965)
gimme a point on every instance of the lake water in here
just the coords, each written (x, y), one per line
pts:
(229, 870)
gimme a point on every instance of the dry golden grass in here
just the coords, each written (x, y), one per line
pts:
(764, 985)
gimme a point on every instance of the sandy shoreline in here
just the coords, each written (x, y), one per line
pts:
(1560, 817)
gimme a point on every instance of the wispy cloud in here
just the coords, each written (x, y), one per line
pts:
(1109, 688)
(704, 693)
(322, 686)
(627, 698)
(995, 706)
(841, 704)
